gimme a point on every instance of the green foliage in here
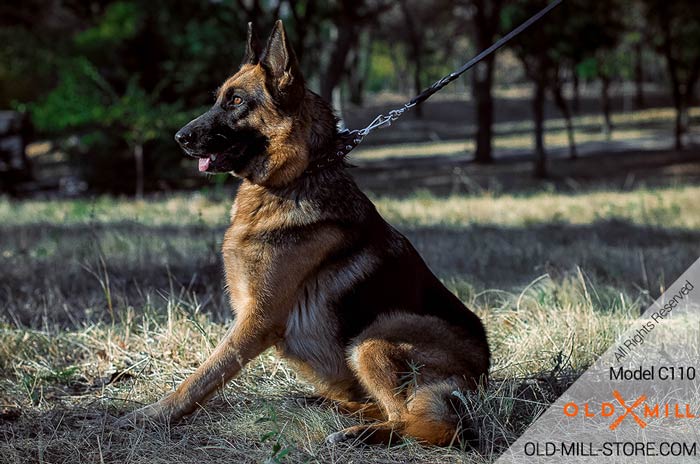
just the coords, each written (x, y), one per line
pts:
(76, 101)
(675, 32)
(120, 21)
(275, 437)
(578, 33)
(88, 97)
(108, 122)
(125, 80)
(382, 69)
(25, 64)
(587, 68)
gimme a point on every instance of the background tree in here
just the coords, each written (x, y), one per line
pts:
(424, 33)
(121, 107)
(600, 30)
(677, 37)
(633, 41)
(485, 26)
(540, 61)
(359, 68)
(576, 32)
(348, 18)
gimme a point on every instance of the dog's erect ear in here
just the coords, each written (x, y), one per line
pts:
(280, 62)
(279, 57)
(252, 47)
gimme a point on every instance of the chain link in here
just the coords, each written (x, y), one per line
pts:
(384, 120)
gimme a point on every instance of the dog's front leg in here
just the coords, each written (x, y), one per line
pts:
(248, 337)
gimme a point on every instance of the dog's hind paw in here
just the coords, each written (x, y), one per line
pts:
(340, 437)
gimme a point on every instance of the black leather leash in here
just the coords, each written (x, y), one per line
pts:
(349, 139)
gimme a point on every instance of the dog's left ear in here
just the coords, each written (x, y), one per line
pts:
(252, 47)
(280, 62)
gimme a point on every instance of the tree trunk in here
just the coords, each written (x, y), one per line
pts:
(690, 92)
(347, 37)
(138, 159)
(355, 79)
(304, 25)
(638, 76)
(576, 91)
(359, 69)
(415, 43)
(485, 25)
(417, 85)
(336, 102)
(401, 85)
(681, 118)
(678, 104)
(564, 108)
(482, 81)
(672, 65)
(605, 102)
(538, 115)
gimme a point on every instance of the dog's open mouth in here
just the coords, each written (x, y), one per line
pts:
(231, 160)
(227, 154)
(205, 162)
(216, 162)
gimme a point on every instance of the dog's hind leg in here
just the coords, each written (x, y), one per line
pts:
(362, 410)
(411, 370)
(425, 419)
(383, 369)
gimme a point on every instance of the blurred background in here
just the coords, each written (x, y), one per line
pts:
(554, 188)
(92, 92)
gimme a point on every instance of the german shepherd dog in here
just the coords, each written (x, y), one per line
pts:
(313, 270)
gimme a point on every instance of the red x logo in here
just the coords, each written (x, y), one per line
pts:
(628, 411)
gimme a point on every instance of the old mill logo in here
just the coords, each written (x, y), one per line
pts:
(638, 411)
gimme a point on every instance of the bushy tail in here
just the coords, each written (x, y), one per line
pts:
(442, 414)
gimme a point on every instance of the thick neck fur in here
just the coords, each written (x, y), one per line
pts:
(312, 134)
(305, 197)
(323, 123)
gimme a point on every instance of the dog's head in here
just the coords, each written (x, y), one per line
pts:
(253, 129)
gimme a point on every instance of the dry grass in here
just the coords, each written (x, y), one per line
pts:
(644, 207)
(108, 304)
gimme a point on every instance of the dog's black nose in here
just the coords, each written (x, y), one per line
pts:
(184, 137)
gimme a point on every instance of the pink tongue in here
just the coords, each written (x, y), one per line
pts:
(203, 164)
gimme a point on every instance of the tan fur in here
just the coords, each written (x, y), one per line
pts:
(304, 260)
(409, 380)
(288, 156)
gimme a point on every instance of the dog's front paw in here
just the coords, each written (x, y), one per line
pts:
(153, 414)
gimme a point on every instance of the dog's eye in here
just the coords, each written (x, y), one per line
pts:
(236, 100)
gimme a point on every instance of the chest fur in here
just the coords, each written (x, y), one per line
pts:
(275, 260)
(258, 251)
(311, 334)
